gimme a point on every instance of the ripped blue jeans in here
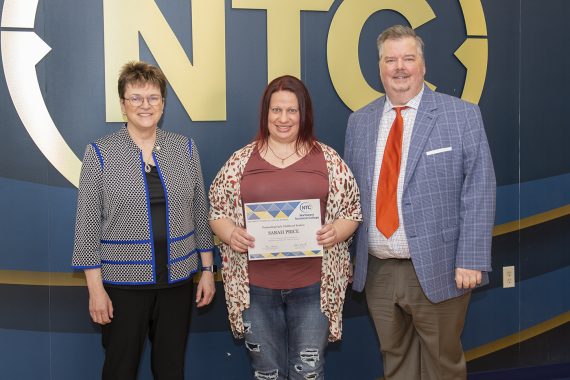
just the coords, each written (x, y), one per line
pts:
(286, 333)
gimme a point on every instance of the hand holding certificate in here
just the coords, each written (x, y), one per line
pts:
(284, 230)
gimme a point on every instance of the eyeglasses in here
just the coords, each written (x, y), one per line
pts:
(279, 110)
(137, 101)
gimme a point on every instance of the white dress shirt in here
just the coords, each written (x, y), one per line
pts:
(396, 247)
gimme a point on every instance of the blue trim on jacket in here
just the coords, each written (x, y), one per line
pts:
(99, 155)
(185, 278)
(146, 241)
(182, 258)
(128, 283)
(179, 238)
(86, 266)
(149, 217)
(127, 262)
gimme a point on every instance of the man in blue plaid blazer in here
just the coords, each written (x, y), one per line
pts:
(418, 279)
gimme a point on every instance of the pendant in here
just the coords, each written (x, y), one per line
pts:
(147, 167)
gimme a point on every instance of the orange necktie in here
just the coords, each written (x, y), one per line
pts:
(386, 196)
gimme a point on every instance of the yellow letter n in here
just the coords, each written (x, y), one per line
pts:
(201, 85)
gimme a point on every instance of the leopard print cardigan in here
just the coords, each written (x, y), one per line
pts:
(343, 203)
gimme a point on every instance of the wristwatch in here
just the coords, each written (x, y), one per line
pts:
(210, 268)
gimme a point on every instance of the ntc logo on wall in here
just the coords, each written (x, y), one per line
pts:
(201, 85)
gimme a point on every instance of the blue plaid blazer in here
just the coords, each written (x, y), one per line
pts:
(449, 191)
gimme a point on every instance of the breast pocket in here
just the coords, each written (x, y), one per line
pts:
(439, 164)
(433, 152)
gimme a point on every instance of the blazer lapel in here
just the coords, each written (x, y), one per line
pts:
(425, 120)
(372, 127)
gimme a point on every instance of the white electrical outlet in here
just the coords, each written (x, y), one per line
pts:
(509, 277)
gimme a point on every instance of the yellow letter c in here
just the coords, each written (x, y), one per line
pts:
(342, 44)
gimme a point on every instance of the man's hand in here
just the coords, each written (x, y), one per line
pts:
(467, 278)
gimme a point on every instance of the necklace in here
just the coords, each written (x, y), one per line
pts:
(281, 158)
(140, 142)
(147, 167)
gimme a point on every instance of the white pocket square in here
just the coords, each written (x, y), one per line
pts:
(436, 151)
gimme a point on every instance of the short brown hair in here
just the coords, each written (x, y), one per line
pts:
(395, 33)
(141, 73)
(288, 83)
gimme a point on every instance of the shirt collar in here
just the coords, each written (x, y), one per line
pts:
(412, 103)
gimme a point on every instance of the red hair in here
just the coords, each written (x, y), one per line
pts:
(289, 83)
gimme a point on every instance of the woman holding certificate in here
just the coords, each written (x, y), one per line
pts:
(285, 308)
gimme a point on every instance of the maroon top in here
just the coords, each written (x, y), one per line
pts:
(263, 182)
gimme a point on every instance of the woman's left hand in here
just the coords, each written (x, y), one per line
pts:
(206, 289)
(327, 235)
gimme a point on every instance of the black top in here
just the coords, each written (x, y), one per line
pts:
(158, 216)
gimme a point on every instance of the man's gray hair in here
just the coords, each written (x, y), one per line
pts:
(397, 32)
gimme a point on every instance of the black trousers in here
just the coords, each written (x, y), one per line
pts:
(161, 314)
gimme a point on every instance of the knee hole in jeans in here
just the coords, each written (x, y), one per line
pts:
(266, 375)
(310, 356)
(253, 347)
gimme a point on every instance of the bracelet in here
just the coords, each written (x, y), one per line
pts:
(210, 268)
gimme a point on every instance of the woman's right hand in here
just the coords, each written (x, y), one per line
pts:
(100, 306)
(240, 240)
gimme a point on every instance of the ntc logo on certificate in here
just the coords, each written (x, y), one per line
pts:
(284, 230)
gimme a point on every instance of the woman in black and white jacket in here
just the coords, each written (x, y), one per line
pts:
(141, 225)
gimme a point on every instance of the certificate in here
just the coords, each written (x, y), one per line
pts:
(284, 230)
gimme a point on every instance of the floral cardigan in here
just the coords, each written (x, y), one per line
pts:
(343, 203)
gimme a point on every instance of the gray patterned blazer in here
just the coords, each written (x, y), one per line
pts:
(449, 191)
(113, 228)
